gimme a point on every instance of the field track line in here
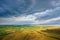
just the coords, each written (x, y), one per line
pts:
(48, 35)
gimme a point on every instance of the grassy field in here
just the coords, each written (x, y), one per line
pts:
(29, 32)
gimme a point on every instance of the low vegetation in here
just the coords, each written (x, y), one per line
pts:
(29, 32)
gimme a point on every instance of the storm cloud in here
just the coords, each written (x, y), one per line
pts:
(29, 11)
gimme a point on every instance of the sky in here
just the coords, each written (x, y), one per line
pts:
(21, 12)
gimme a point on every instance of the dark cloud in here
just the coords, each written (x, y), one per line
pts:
(14, 7)
(18, 7)
(41, 10)
(55, 13)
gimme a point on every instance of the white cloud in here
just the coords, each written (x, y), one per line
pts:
(43, 12)
(32, 17)
(46, 21)
(55, 3)
(23, 18)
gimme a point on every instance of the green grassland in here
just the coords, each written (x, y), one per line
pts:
(29, 32)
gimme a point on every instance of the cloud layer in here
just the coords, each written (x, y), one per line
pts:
(17, 12)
